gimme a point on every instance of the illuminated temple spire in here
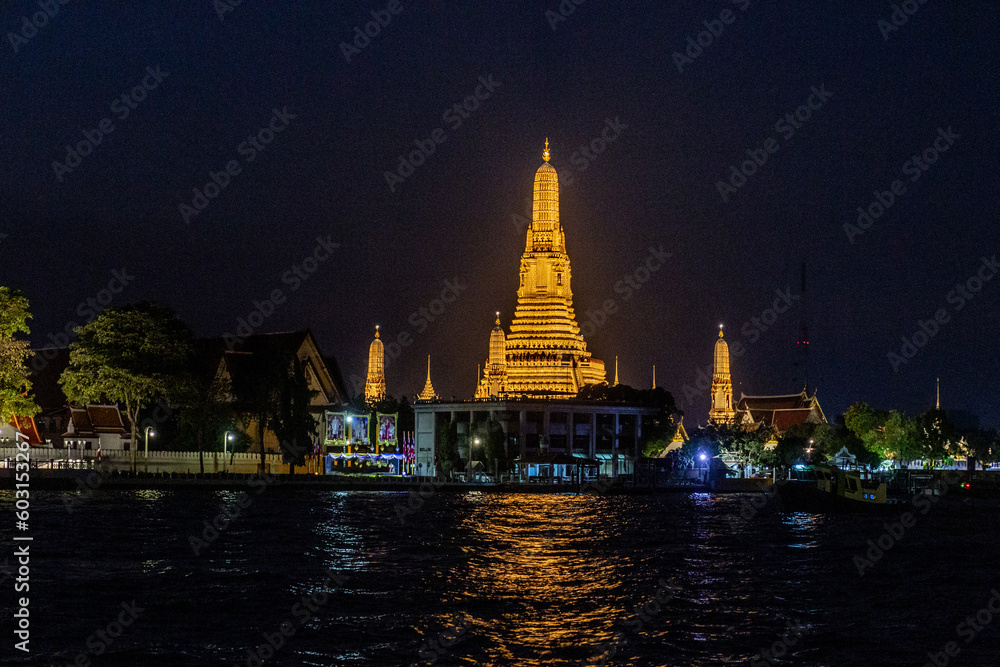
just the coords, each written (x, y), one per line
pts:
(616, 370)
(375, 384)
(937, 404)
(428, 393)
(494, 381)
(545, 353)
(722, 385)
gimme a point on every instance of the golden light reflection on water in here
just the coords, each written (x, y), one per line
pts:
(530, 555)
(148, 495)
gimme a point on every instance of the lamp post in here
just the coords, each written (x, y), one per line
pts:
(476, 443)
(349, 420)
(148, 431)
(226, 438)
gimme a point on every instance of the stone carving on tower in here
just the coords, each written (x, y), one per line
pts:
(545, 353)
(375, 384)
(722, 411)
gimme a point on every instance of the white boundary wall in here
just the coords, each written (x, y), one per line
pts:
(157, 461)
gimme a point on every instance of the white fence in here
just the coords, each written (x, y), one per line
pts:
(157, 461)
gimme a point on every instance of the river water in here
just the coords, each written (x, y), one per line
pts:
(489, 579)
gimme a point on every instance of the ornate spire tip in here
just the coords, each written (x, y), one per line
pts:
(545, 153)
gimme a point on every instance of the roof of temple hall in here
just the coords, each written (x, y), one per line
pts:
(782, 411)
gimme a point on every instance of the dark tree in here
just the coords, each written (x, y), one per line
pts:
(496, 448)
(204, 411)
(292, 421)
(446, 453)
(256, 384)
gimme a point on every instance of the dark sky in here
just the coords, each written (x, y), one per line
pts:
(453, 219)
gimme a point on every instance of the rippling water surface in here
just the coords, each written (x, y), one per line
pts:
(534, 580)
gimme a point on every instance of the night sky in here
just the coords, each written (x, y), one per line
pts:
(341, 125)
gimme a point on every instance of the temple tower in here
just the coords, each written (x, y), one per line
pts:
(722, 385)
(494, 380)
(375, 384)
(545, 353)
(428, 393)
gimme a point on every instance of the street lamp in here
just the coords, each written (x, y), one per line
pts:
(226, 437)
(148, 431)
(471, 454)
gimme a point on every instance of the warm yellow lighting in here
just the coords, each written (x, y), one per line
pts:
(428, 394)
(722, 385)
(375, 384)
(545, 353)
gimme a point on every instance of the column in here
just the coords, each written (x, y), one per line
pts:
(523, 417)
(545, 430)
(638, 435)
(593, 436)
(571, 433)
(614, 450)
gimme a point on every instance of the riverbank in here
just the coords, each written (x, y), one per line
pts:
(92, 479)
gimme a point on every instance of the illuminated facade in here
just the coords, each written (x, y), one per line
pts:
(722, 385)
(375, 384)
(545, 354)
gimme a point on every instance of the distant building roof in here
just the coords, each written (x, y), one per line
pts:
(236, 359)
(783, 411)
(93, 420)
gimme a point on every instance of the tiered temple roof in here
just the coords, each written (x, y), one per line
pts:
(546, 354)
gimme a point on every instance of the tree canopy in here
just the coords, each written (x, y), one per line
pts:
(130, 356)
(890, 434)
(14, 355)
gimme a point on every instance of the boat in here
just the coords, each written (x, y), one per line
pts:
(819, 487)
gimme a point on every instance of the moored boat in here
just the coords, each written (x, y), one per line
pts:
(826, 487)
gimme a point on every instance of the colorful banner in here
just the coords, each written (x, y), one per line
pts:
(359, 429)
(409, 450)
(387, 429)
(335, 431)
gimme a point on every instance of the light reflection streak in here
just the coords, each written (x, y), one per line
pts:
(536, 554)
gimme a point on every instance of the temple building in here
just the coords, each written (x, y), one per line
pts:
(545, 355)
(722, 385)
(375, 384)
(777, 412)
